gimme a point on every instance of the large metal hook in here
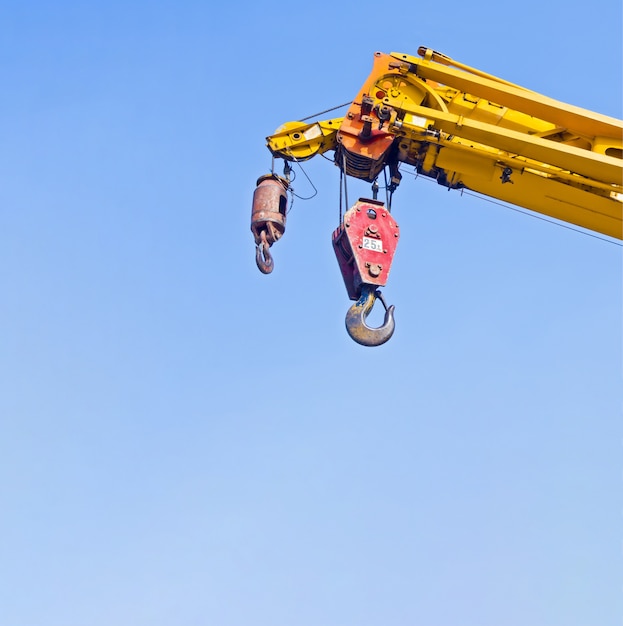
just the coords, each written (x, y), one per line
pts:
(358, 312)
(263, 257)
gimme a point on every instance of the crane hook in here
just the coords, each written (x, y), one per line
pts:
(358, 312)
(263, 258)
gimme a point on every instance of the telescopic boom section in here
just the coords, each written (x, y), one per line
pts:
(470, 130)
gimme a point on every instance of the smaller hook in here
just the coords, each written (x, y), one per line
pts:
(263, 258)
(356, 319)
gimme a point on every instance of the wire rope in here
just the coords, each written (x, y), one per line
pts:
(309, 117)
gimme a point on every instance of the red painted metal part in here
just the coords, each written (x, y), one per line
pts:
(365, 244)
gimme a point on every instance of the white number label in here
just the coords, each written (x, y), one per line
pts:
(372, 244)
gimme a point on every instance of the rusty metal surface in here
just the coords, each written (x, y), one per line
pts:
(263, 257)
(268, 212)
(268, 217)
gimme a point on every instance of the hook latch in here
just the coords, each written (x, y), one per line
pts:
(356, 319)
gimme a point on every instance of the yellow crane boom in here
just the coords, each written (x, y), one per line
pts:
(468, 129)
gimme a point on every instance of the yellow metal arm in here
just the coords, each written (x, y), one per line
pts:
(469, 129)
(471, 81)
(510, 143)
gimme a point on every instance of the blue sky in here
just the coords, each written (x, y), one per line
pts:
(186, 441)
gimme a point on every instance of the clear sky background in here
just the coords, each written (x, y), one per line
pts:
(185, 441)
